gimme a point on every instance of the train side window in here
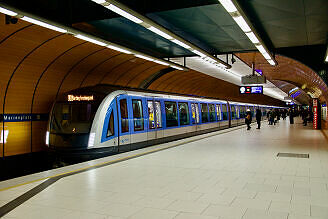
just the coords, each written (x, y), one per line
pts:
(224, 112)
(151, 117)
(242, 112)
(195, 113)
(237, 112)
(138, 120)
(212, 112)
(184, 113)
(233, 112)
(124, 115)
(204, 111)
(158, 114)
(218, 112)
(171, 114)
(110, 129)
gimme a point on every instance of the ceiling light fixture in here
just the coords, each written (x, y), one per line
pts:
(176, 67)
(228, 5)
(43, 24)
(144, 57)
(161, 62)
(161, 33)
(118, 49)
(81, 35)
(242, 24)
(232, 7)
(99, 1)
(181, 44)
(252, 37)
(8, 12)
(124, 13)
(90, 40)
(199, 53)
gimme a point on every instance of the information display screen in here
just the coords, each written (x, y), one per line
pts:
(251, 89)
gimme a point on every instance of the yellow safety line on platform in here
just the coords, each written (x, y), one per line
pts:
(117, 160)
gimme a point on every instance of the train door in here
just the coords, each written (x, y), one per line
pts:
(124, 116)
(138, 127)
(155, 122)
(151, 133)
(158, 119)
(194, 116)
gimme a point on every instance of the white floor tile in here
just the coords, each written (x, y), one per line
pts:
(222, 211)
(187, 206)
(193, 216)
(261, 214)
(119, 210)
(319, 211)
(154, 213)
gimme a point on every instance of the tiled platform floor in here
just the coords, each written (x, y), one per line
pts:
(232, 175)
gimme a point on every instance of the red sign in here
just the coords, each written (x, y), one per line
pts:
(315, 113)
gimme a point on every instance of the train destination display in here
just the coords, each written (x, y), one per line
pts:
(251, 89)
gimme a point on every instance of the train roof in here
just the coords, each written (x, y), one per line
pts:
(102, 90)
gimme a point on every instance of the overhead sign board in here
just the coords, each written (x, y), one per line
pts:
(253, 79)
(251, 89)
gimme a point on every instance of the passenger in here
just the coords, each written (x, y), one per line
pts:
(284, 114)
(258, 118)
(248, 119)
(291, 116)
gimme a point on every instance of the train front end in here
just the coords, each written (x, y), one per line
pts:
(70, 122)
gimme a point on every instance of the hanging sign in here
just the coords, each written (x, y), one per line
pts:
(251, 89)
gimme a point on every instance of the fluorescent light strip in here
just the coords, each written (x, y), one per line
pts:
(177, 67)
(90, 40)
(326, 60)
(228, 5)
(271, 62)
(99, 1)
(43, 24)
(199, 53)
(124, 13)
(181, 44)
(242, 24)
(266, 56)
(252, 37)
(160, 62)
(144, 57)
(8, 12)
(161, 33)
(261, 49)
(118, 49)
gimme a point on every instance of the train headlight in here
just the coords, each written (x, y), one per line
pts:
(47, 138)
(91, 139)
(4, 136)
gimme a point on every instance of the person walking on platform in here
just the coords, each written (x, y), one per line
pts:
(291, 116)
(258, 118)
(284, 114)
(304, 116)
(270, 117)
(248, 119)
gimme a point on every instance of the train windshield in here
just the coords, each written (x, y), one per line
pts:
(70, 118)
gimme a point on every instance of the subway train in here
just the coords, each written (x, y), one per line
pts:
(106, 119)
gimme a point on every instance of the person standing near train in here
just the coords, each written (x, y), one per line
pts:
(258, 118)
(248, 119)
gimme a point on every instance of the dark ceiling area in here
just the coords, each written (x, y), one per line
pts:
(293, 28)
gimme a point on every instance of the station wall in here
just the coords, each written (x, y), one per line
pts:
(37, 64)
